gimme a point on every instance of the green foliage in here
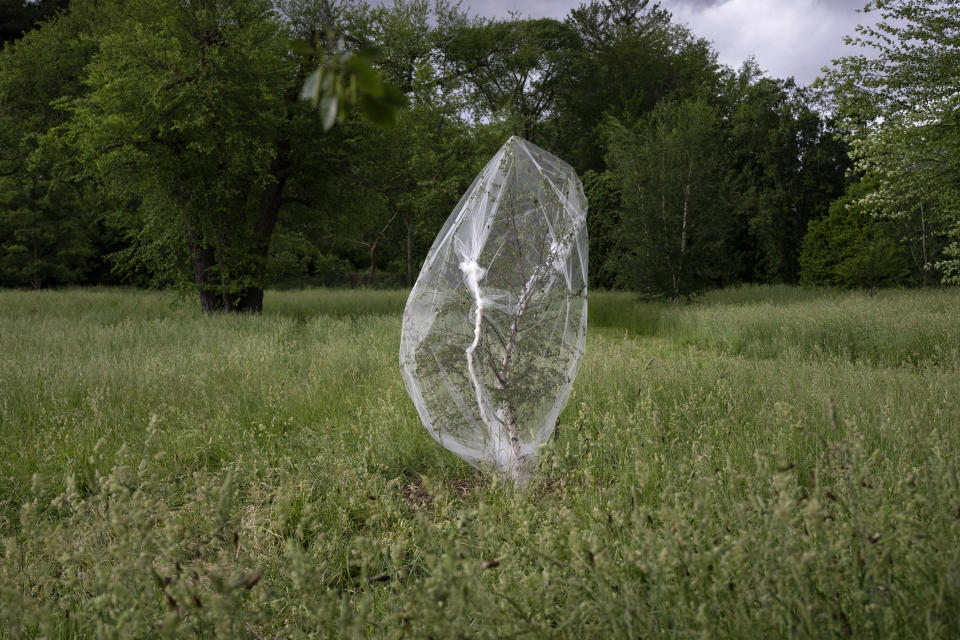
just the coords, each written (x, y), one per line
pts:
(785, 164)
(513, 68)
(186, 125)
(615, 36)
(849, 248)
(396, 186)
(762, 461)
(291, 256)
(876, 262)
(294, 259)
(170, 122)
(899, 106)
(43, 240)
(345, 78)
(157, 142)
(603, 227)
(671, 192)
(50, 222)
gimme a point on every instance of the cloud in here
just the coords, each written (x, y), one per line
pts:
(844, 5)
(536, 8)
(787, 37)
(696, 4)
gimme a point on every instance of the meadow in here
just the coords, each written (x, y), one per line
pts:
(760, 462)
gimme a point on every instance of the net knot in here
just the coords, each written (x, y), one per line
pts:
(472, 271)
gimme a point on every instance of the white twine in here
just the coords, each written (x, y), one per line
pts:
(472, 274)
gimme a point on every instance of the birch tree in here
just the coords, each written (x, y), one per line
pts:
(669, 186)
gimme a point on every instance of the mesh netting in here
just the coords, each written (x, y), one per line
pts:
(496, 323)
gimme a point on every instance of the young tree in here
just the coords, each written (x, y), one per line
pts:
(494, 329)
(603, 227)
(670, 195)
(42, 240)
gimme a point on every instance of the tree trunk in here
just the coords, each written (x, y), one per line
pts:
(373, 264)
(251, 298)
(923, 243)
(683, 231)
(410, 253)
(202, 260)
(376, 241)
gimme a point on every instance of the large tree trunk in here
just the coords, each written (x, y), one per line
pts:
(251, 298)
(202, 260)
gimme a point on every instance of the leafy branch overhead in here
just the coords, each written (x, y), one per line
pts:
(345, 78)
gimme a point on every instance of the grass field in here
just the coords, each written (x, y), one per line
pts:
(759, 463)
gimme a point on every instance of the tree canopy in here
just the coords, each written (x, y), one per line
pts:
(214, 144)
(899, 106)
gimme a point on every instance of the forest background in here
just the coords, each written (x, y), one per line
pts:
(163, 143)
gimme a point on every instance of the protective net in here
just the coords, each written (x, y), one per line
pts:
(496, 323)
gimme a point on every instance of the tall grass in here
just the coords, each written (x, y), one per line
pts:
(762, 462)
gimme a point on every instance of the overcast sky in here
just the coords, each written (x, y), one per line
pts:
(787, 37)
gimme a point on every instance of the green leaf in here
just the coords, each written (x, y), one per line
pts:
(328, 111)
(302, 47)
(311, 88)
(372, 54)
(368, 80)
(394, 97)
(378, 111)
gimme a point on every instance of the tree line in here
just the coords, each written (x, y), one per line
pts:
(167, 143)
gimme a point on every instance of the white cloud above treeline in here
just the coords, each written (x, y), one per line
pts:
(786, 37)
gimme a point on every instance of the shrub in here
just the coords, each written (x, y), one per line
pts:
(850, 248)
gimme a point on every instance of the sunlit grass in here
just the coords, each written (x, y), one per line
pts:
(758, 462)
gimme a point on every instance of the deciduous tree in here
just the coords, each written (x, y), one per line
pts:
(513, 68)
(671, 192)
(630, 57)
(900, 105)
(194, 113)
(786, 164)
